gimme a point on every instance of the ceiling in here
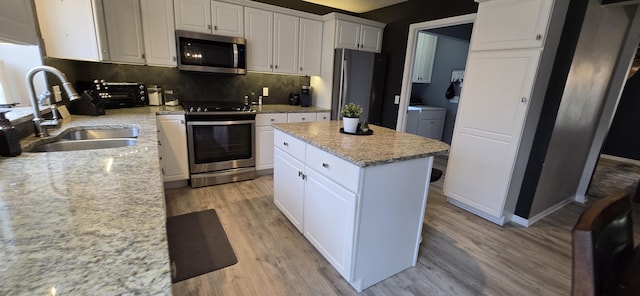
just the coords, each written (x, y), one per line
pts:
(357, 6)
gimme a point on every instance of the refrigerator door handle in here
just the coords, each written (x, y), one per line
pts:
(345, 86)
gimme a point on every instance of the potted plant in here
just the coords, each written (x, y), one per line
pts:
(351, 116)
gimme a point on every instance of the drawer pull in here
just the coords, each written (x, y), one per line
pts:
(299, 173)
(304, 118)
(273, 119)
(286, 144)
(325, 165)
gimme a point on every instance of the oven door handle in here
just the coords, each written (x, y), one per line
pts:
(229, 122)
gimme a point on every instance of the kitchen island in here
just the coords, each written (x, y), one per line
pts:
(87, 222)
(359, 200)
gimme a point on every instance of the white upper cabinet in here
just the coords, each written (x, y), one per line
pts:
(425, 54)
(352, 35)
(510, 24)
(347, 35)
(258, 26)
(193, 15)
(272, 41)
(124, 31)
(227, 19)
(159, 36)
(73, 29)
(18, 23)
(370, 38)
(285, 43)
(309, 50)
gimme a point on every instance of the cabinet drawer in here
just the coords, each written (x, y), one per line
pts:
(267, 119)
(323, 116)
(289, 144)
(432, 114)
(333, 167)
(301, 117)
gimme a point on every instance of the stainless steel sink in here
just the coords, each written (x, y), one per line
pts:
(100, 133)
(84, 145)
(85, 138)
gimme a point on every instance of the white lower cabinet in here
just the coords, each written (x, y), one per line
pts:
(264, 132)
(365, 221)
(172, 147)
(288, 196)
(329, 217)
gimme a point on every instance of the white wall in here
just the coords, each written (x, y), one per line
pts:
(18, 60)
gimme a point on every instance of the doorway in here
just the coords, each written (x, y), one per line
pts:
(422, 90)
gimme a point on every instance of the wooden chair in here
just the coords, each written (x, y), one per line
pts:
(605, 261)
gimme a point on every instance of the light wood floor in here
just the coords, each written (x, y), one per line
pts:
(461, 254)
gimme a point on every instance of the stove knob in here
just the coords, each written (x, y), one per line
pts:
(206, 110)
(199, 109)
(191, 109)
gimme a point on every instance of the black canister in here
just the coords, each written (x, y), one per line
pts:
(9, 140)
(294, 99)
(305, 96)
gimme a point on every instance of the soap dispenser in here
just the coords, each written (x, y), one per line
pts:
(9, 140)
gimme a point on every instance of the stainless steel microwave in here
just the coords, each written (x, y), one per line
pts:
(211, 53)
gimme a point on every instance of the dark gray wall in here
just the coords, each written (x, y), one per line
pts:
(190, 86)
(394, 43)
(451, 54)
(623, 139)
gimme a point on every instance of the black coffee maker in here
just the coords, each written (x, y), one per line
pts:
(305, 96)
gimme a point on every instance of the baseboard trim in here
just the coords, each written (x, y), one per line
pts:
(528, 222)
(176, 184)
(500, 221)
(620, 159)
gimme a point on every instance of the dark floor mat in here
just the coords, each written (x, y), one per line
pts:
(197, 245)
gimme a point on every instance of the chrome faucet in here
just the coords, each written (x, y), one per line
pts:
(40, 124)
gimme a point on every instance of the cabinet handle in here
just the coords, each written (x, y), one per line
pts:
(270, 66)
(300, 68)
(304, 118)
(523, 99)
(215, 28)
(276, 66)
(143, 56)
(538, 36)
(273, 119)
(286, 144)
(299, 173)
(209, 27)
(174, 58)
(325, 165)
(182, 121)
(162, 172)
(304, 177)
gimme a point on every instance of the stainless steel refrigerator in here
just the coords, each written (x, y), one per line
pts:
(359, 77)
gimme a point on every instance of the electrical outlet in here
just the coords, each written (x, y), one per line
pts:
(265, 91)
(396, 99)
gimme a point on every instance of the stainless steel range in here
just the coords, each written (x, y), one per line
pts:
(221, 140)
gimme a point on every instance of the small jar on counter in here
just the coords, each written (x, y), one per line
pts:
(9, 140)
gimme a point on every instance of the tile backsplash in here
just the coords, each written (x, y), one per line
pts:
(189, 86)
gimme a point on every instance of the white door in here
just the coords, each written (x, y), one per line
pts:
(288, 187)
(347, 35)
(159, 32)
(309, 51)
(503, 24)
(329, 219)
(285, 43)
(258, 25)
(193, 15)
(370, 38)
(172, 136)
(491, 114)
(227, 19)
(124, 31)
(425, 56)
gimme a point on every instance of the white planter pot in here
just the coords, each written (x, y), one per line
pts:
(350, 124)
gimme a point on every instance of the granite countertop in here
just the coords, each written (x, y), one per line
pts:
(88, 222)
(281, 108)
(384, 146)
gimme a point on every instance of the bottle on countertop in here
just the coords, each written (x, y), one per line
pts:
(9, 140)
(260, 100)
